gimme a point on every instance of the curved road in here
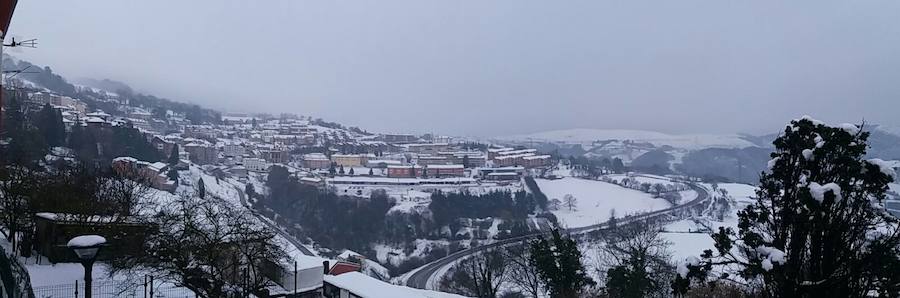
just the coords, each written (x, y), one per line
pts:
(419, 279)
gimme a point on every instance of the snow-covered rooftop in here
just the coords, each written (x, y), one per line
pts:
(444, 167)
(364, 286)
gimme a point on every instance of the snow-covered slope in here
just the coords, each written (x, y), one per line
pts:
(589, 135)
(889, 129)
(595, 200)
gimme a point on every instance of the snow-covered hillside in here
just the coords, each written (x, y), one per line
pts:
(589, 135)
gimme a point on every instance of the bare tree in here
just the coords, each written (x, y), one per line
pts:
(79, 194)
(570, 202)
(481, 275)
(17, 188)
(635, 261)
(521, 273)
(208, 246)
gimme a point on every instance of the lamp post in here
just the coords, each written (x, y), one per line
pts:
(87, 247)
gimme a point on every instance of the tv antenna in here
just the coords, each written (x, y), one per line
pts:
(18, 71)
(28, 43)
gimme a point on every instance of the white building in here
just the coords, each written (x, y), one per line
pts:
(256, 164)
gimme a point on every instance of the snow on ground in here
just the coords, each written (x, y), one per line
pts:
(690, 237)
(369, 267)
(44, 275)
(418, 201)
(61, 273)
(685, 245)
(562, 171)
(642, 178)
(396, 255)
(595, 200)
(421, 191)
(687, 195)
(410, 199)
(294, 254)
(257, 180)
(216, 187)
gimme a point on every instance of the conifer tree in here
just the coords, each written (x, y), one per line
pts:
(172, 174)
(818, 228)
(558, 261)
(173, 156)
(201, 189)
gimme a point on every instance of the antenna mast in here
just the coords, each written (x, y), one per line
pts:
(6, 12)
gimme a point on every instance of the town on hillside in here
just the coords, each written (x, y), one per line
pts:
(489, 149)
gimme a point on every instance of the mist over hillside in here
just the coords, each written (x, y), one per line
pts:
(106, 84)
(724, 157)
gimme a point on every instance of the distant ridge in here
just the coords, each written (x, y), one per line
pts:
(588, 135)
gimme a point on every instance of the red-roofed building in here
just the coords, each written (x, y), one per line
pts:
(342, 267)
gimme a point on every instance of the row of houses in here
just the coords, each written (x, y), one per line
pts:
(427, 171)
(153, 173)
(504, 157)
(59, 101)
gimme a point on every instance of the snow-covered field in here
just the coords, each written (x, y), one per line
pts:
(690, 237)
(596, 200)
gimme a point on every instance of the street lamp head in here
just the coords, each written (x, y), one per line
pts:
(86, 246)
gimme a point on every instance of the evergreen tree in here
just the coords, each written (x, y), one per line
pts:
(558, 261)
(173, 156)
(371, 172)
(51, 126)
(617, 166)
(128, 141)
(341, 171)
(201, 189)
(14, 117)
(637, 261)
(84, 143)
(27, 144)
(351, 172)
(818, 228)
(331, 169)
(172, 174)
(250, 190)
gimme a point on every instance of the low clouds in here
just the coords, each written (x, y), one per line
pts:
(492, 67)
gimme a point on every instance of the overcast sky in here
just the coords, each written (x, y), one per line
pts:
(491, 67)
